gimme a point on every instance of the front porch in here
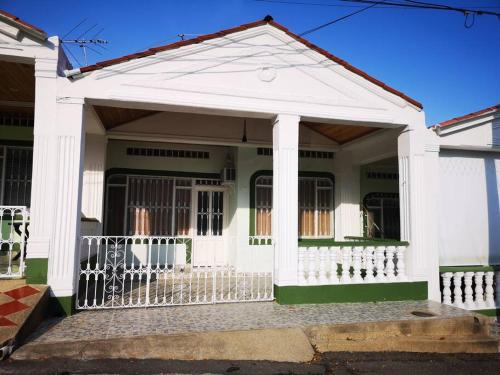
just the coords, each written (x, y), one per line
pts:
(183, 214)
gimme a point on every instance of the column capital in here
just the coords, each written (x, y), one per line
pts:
(286, 118)
(46, 67)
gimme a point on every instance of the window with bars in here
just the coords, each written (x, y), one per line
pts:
(148, 206)
(315, 205)
(15, 175)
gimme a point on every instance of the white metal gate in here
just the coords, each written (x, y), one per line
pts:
(13, 235)
(138, 271)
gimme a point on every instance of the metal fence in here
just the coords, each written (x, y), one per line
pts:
(14, 221)
(139, 271)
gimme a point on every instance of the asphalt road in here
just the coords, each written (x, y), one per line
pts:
(328, 363)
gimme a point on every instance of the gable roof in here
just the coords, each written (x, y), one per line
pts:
(468, 116)
(23, 24)
(267, 20)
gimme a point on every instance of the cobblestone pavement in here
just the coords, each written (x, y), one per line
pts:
(103, 324)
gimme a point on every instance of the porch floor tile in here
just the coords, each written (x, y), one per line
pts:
(102, 324)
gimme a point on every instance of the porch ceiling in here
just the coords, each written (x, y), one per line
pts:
(111, 117)
(340, 133)
(17, 82)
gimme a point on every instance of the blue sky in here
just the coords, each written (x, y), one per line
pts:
(428, 55)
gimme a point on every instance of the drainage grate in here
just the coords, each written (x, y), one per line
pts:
(423, 314)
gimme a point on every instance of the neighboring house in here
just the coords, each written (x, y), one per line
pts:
(244, 165)
(469, 203)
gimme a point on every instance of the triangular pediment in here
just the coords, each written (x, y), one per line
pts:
(261, 65)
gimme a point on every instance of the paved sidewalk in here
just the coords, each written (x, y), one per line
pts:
(126, 323)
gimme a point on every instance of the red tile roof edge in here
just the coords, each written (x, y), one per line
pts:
(23, 23)
(267, 20)
(468, 116)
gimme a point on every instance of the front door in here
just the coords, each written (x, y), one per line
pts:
(208, 249)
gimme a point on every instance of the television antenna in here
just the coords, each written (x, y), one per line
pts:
(85, 44)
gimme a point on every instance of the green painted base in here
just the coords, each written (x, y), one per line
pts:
(36, 270)
(288, 295)
(62, 306)
(489, 312)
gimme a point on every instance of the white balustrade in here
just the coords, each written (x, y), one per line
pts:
(472, 290)
(358, 265)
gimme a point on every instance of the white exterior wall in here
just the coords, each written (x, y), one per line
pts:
(469, 196)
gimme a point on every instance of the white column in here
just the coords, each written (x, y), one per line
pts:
(418, 154)
(44, 157)
(67, 174)
(347, 182)
(93, 183)
(285, 198)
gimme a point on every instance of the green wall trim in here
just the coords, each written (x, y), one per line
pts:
(36, 270)
(489, 312)
(331, 242)
(478, 268)
(288, 295)
(62, 306)
(268, 172)
(16, 134)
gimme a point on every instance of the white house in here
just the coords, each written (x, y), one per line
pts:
(469, 204)
(244, 165)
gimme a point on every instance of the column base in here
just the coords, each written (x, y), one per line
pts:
(36, 270)
(377, 292)
(62, 306)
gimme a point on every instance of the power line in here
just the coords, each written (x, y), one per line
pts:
(340, 19)
(384, 6)
(422, 5)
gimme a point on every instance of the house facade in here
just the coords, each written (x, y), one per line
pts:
(244, 165)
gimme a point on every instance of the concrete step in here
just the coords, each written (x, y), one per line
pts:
(460, 326)
(480, 344)
(24, 307)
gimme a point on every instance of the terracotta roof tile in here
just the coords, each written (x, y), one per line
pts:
(468, 116)
(267, 20)
(21, 22)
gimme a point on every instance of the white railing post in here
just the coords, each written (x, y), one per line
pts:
(497, 288)
(368, 255)
(389, 266)
(301, 267)
(446, 287)
(311, 265)
(323, 256)
(379, 263)
(479, 291)
(457, 289)
(469, 298)
(400, 256)
(490, 298)
(334, 278)
(356, 264)
(346, 264)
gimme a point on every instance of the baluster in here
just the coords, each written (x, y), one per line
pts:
(356, 260)
(457, 289)
(334, 277)
(368, 260)
(490, 298)
(401, 265)
(469, 298)
(446, 287)
(479, 291)
(379, 263)
(496, 282)
(389, 266)
(311, 275)
(346, 264)
(301, 267)
(323, 253)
